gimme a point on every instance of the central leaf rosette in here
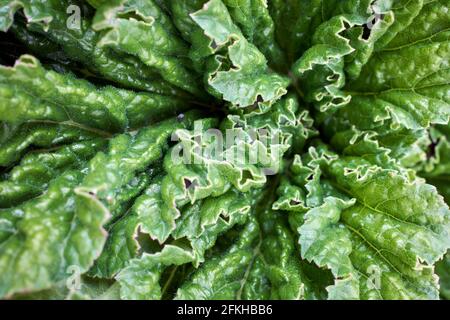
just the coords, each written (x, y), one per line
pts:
(225, 149)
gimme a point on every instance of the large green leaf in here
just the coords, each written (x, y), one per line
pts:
(256, 24)
(240, 75)
(295, 21)
(260, 263)
(37, 169)
(140, 280)
(50, 18)
(318, 167)
(63, 228)
(200, 224)
(142, 29)
(18, 139)
(50, 237)
(393, 104)
(369, 222)
(64, 99)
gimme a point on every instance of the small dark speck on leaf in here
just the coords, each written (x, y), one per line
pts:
(254, 106)
(187, 183)
(431, 152)
(190, 185)
(366, 32)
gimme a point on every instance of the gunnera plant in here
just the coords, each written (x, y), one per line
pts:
(224, 149)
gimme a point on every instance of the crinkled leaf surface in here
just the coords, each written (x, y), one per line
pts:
(241, 76)
(49, 234)
(224, 149)
(396, 235)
